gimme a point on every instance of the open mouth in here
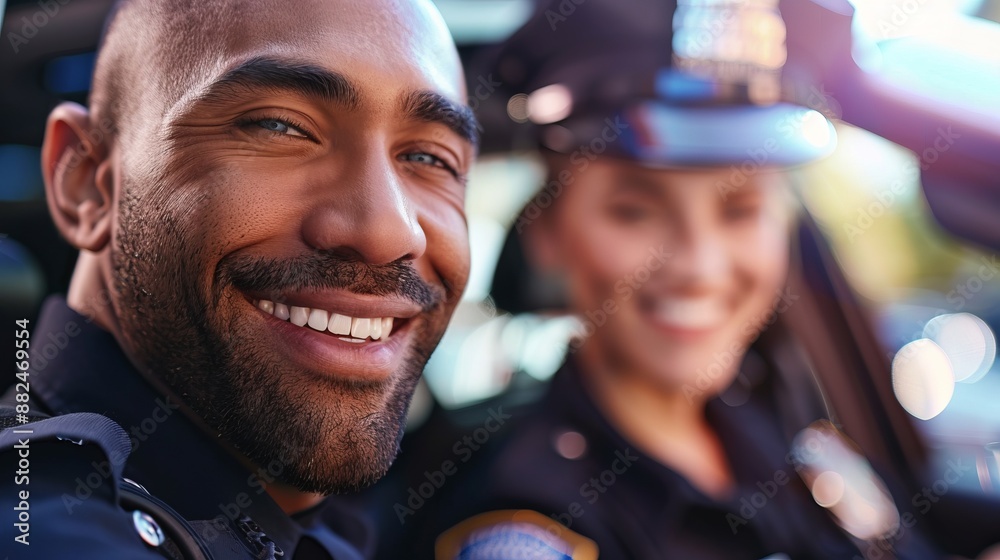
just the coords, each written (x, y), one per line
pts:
(357, 330)
(684, 317)
(338, 334)
(693, 314)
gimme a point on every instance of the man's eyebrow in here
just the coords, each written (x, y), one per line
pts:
(427, 106)
(275, 75)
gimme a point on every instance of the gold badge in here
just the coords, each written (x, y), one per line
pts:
(513, 534)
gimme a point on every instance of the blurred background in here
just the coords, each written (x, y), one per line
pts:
(908, 206)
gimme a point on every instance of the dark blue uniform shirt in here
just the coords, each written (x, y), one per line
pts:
(78, 497)
(599, 485)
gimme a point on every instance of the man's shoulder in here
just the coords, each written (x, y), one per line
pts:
(63, 496)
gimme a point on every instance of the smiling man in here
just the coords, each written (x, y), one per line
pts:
(268, 203)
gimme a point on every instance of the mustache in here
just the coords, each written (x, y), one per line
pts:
(326, 270)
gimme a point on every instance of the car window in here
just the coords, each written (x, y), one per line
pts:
(934, 299)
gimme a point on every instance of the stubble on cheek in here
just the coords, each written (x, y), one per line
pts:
(198, 335)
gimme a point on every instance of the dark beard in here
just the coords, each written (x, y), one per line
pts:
(316, 433)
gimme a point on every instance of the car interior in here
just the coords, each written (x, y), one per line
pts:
(896, 251)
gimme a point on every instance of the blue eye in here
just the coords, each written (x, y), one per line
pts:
(423, 158)
(280, 127)
(426, 159)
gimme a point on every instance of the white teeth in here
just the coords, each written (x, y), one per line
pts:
(318, 319)
(340, 324)
(352, 340)
(360, 328)
(299, 316)
(351, 329)
(281, 311)
(691, 313)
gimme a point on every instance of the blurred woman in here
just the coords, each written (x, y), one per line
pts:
(666, 226)
(666, 433)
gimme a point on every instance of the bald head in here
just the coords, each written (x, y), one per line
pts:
(154, 54)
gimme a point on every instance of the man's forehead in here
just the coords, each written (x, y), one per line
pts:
(379, 45)
(251, 79)
(395, 37)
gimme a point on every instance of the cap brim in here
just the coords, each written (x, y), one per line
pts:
(659, 134)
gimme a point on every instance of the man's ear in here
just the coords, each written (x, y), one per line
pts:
(79, 181)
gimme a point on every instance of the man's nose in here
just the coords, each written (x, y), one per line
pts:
(367, 215)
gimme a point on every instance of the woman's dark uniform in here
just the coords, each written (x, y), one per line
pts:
(560, 457)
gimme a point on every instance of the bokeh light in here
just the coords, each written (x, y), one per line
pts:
(843, 481)
(517, 108)
(922, 378)
(571, 445)
(550, 104)
(816, 130)
(967, 340)
(828, 488)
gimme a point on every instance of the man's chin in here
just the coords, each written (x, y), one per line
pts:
(326, 467)
(344, 481)
(325, 435)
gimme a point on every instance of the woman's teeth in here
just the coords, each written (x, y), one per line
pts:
(351, 329)
(691, 313)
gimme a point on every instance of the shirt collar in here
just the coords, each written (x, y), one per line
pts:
(568, 394)
(747, 431)
(80, 367)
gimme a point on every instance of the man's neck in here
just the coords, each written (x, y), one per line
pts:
(292, 501)
(89, 293)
